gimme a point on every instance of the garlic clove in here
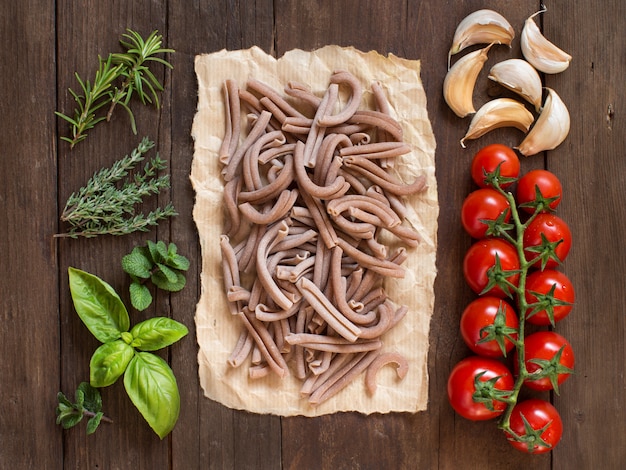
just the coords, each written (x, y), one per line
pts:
(520, 77)
(458, 85)
(550, 129)
(541, 53)
(501, 112)
(481, 27)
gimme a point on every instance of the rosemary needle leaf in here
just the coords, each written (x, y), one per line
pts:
(118, 77)
(107, 204)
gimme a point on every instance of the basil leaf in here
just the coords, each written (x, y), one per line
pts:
(151, 386)
(156, 333)
(109, 362)
(98, 306)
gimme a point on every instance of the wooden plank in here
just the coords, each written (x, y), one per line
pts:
(29, 300)
(208, 434)
(593, 171)
(85, 31)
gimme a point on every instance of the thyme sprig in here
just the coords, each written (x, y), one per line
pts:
(108, 202)
(118, 78)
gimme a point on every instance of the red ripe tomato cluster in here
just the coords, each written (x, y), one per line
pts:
(513, 266)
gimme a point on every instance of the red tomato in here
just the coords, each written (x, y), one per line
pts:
(481, 257)
(558, 239)
(487, 160)
(538, 180)
(483, 204)
(542, 352)
(560, 290)
(462, 392)
(539, 414)
(479, 322)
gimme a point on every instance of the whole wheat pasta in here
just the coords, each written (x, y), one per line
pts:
(306, 196)
(402, 367)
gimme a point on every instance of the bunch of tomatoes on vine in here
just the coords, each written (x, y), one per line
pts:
(514, 266)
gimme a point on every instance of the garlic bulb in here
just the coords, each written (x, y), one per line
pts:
(501, 112)
(481, 27)
(458, 85)
(541, 53)
(520, 77)
(551, 128)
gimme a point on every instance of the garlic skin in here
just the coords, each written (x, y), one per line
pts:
(481, 27)
(500, 112)
(541, 53)
(550, 129)
(520, 77)
(458, 85)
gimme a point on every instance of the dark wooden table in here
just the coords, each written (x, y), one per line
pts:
(45, 348)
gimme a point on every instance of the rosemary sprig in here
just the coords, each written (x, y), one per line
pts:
(106, 205)
(131, 73)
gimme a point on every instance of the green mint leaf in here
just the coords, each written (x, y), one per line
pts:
(63, 401)
(157, 333)
(158, 251)
(152, 387)
(136, 264)
(92, 398)
(140, 296)
(169, 273)
(94, 422)
(98, 305)
(109, 362)
(71, 419)
(159, 280)
(178, 262)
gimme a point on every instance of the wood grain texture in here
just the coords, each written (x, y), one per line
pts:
(45, 347)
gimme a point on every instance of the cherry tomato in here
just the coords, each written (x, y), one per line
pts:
(487, 160)
(560, 290)
(478, 321)
(558, 239)
(483, 204)
(462, 392)
(544, 181)
(539, 414)
(481, 257)
(542, 352)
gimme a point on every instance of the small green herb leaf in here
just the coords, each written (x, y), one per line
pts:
(159, 280)
(137, 264)
(157, 333)
(94, 422)
(109, 362)
(140, 296)
(152, 387)
(98, 305)
(92, 400)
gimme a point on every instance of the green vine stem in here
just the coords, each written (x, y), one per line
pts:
(519, 291)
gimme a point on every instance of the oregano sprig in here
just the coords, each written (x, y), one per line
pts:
(88, 404)
(107, 204)
(118, 78)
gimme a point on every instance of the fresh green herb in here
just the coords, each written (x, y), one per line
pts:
(132, 70)
(88, 404)
(148, 379)
(106, 205)
(157, 262)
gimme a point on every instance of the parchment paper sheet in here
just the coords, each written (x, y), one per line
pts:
(217, 331)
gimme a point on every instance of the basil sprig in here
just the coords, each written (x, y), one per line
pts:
(148, 379)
